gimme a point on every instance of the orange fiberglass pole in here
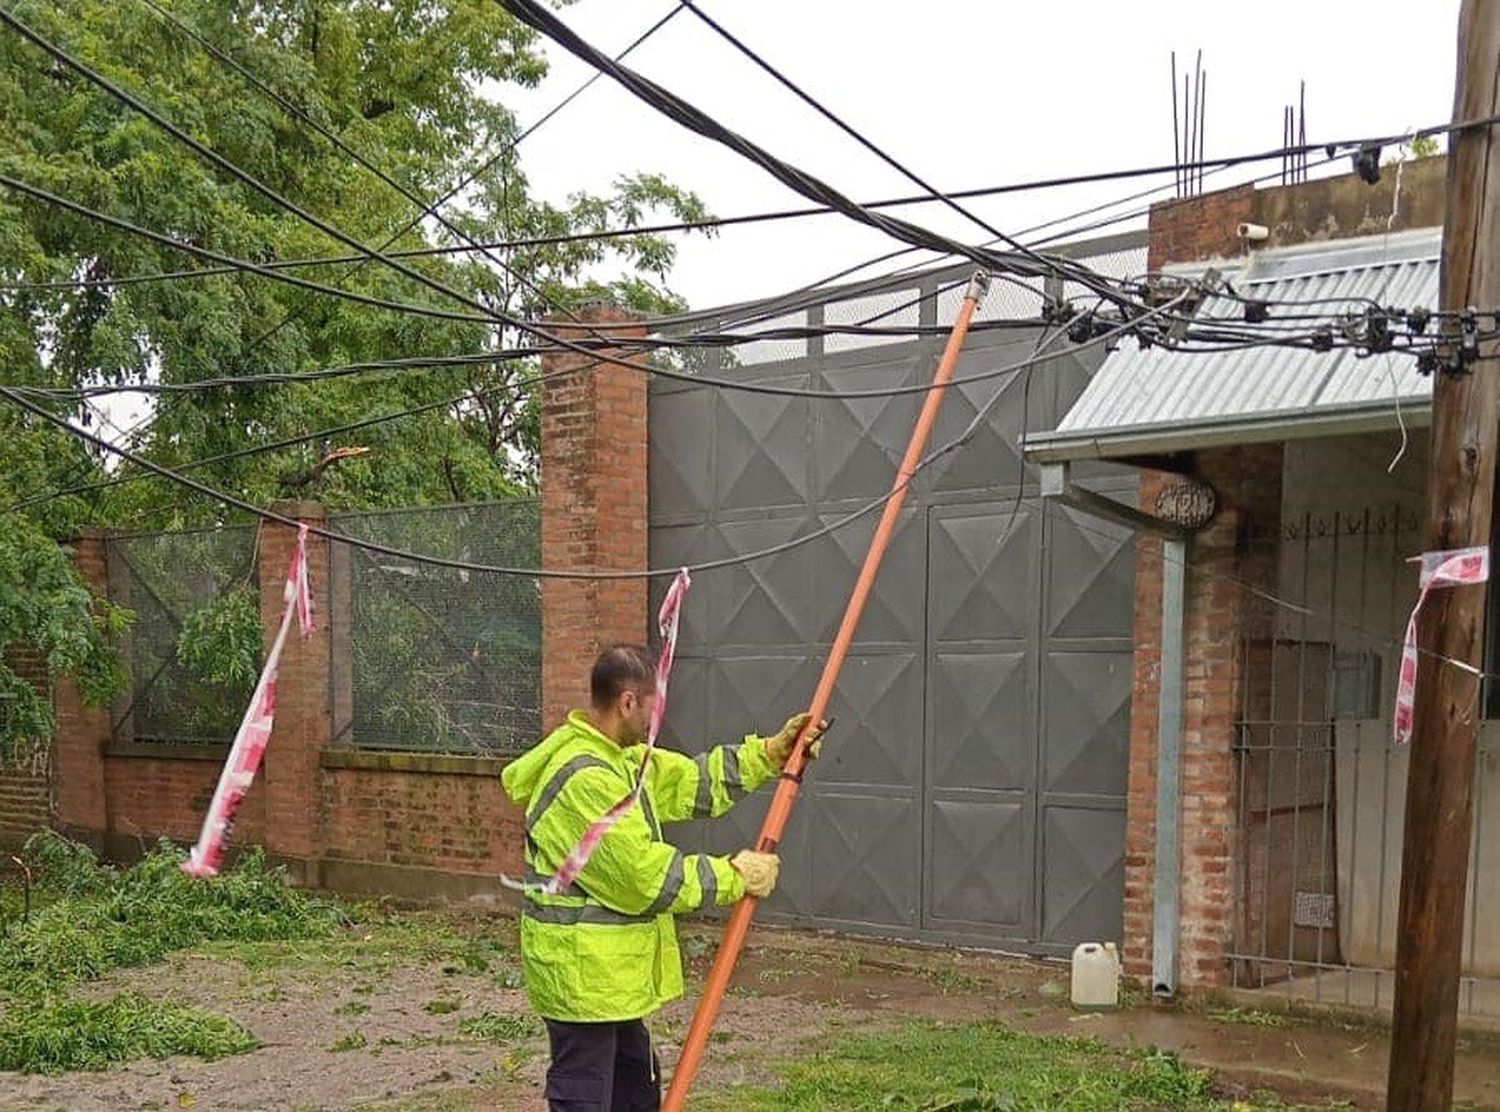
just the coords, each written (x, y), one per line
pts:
(791, 780)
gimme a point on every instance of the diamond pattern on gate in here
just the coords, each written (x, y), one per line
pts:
(758, 694)
(858, 842)
(980, 861)
(761, 450)
(1087, 717)
(685, 727)
(1084, 871)
(971, 599)
(675, 546)
(681, 465)
(894, 610)
(878, 738)
(766, 601)
(1092, 569)
(860, 441)
(981, 722)
(990, 458)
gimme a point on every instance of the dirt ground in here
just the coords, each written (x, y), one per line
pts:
(365, 1024)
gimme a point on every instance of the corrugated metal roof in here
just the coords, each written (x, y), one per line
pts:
(1174, 400)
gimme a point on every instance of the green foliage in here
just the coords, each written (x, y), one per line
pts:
(418, 88)
(51, 1035)
(139, 915)
(353, 1040)
(66, 868)
(1425, 146)
(46, 606)
(220, 641)
(92, 919)
(977, 1067)
(500, 1027)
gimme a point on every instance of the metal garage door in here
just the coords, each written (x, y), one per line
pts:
(974, 787)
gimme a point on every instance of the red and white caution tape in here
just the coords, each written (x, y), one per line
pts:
(1457, 568)
(578, 857)
(249, 746)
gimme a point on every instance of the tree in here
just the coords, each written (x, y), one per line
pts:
(415, 86)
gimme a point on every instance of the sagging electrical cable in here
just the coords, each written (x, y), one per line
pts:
(223, 498)
(676, 108)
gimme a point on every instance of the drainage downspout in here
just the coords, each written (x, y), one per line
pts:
(1057, 484)
(1168, 868)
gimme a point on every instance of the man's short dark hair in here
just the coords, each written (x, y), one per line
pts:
(621, 668)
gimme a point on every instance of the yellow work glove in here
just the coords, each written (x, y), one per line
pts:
(759, 870)
(779, 748)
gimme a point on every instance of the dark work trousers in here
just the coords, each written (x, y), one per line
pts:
(602, 1067)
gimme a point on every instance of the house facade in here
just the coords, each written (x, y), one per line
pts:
(1282, 497)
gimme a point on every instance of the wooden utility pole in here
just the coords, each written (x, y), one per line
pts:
(1440, 790)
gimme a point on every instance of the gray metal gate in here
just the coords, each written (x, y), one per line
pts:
(974, 788)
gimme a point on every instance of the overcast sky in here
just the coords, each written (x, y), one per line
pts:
(967, 94)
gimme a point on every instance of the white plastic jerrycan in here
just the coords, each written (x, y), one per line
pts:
(1096, 976)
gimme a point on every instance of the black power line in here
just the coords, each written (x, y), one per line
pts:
(175, 475)
(853, 133)
(811, 187)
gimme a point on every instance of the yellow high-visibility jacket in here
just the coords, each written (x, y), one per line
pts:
(607, 949)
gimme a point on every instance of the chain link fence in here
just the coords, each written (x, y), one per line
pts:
(187, 690)
(436, 659)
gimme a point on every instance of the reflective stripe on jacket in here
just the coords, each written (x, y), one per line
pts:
(607, 949)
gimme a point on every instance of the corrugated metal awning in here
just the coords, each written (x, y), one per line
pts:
(1146, 402)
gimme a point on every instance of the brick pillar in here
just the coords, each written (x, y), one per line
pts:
(82, 730)
(291, 771)
(24, 785)
(593, 474)
(1220, 614)
(1195, 228)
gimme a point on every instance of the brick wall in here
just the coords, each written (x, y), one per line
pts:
(593, 510)
(412, 810)
(400, 823)
(24, 787)
(153, 790)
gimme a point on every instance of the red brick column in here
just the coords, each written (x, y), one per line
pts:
(291, 776)
(82, 730)
(593, 475)
(1220, 613)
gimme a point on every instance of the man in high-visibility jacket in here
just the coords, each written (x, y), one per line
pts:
(601, 957)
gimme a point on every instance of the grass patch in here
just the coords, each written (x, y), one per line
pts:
(1251, 1017)
(379, 944)
(354, 1040)
(952, 982)
(975, 1068)
(102, 919)
(54, 1035)
(499, 1027)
